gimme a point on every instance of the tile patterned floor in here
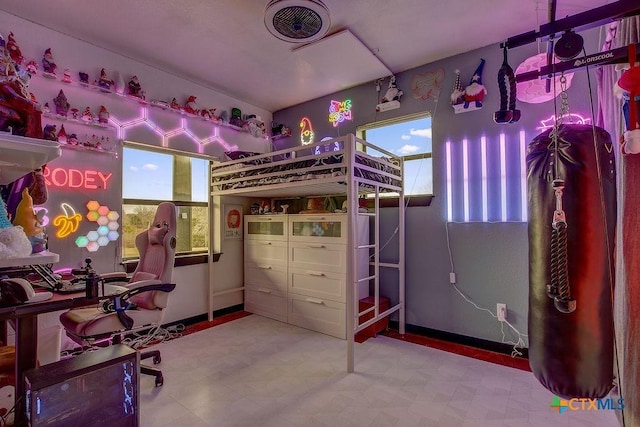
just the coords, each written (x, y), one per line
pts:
(259, 372)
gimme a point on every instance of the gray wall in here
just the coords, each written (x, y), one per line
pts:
(490, 259)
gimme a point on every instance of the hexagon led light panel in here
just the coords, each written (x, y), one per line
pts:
(106, 231)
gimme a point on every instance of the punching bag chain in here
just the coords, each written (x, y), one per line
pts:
(559, 288)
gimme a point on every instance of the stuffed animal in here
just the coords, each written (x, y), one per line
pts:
(7, 384)
(30, 223)
(14, 243)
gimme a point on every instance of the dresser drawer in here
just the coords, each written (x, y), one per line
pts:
(318, 284)
(266, 302)
(322, 228)
(266, 227)
(325, 316)
(273, 276)
(318, 256)
(265, 251)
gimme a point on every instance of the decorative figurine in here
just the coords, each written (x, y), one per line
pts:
(475, 92)
(392, 93)
(75, 114)
(208, 114)
(61, 103)
(14, 50)
(457, 96)
(103, 115)
(236, 118)
(72, 139)
(62, 135)
(45, 108)
(174, 104)
(32, 68)
(84, 78)
(27, 218)
(50, 133)
(87, 115)
(48, 65)
(104, 83)
(134, 88)
(190, 106)
(66, 76)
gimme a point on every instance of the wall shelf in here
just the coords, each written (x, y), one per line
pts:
(22, 155)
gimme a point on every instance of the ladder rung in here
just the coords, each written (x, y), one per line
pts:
(386, 264)
(367, 246)
(364, 279)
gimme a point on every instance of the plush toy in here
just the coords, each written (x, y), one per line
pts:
(630, 82)
(14, 243)
(393, 93)
(190, 105)
(30, 223)
(476, 91)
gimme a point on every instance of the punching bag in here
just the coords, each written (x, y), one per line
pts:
(571, 267)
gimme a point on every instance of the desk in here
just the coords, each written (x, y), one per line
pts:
(25, 319)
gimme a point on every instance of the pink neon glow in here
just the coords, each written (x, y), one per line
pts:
(465, 179)
(449, 195)
(523, 177)
(574, 118)
(483, 160)
(339, 112)
(503, 178)
(75, 178)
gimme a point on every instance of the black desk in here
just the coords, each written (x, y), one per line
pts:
(25, 321)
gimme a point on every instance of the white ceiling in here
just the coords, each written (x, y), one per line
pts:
(224, 44)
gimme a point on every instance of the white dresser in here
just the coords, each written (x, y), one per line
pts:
(296, 269)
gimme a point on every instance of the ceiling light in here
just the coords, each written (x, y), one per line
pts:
(297, 21)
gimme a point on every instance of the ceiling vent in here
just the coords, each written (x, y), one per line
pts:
(297, 21)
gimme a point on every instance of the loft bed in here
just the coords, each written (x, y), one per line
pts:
(345, 166)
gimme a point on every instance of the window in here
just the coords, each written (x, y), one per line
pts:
(409, 137)
(149, 178)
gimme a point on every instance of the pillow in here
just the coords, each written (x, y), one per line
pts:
(156, 234)
(238, 155)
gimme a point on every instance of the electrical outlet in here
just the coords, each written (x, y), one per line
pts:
(452, 278)
(501, 311)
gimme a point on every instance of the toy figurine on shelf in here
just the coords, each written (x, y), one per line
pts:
(87, 115)
(84, 78)
(457, 96)
(208, 114)
(103, 115)
(61, 103)
(48, 65)
(190, 106)
(66, 76)
(174, 105)
(50, 133)
(32, 68)
(134, 88)
(72, 139)
(236, 118)
(105, 84)
(14, 50)
(476, 91)
(75, 114)
(62, 135)
(45, 108)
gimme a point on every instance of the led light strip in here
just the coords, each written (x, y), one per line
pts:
(449, 184)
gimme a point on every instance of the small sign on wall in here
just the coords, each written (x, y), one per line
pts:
(232, 221)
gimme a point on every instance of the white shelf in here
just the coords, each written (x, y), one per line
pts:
(33, 259)
(21, 155)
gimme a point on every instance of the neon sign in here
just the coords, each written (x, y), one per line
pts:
(578, 119)
(68, 222)
(306, 132)
(75, 178)
(339, 112)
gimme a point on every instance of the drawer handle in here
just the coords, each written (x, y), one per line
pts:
(317, 246)
(317, 274)
(265, 267)
(315, 301)
(266, 243)
(264, 291)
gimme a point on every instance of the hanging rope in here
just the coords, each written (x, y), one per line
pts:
(507, 85)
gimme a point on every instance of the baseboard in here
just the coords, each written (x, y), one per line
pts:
(479, 343)
(205, 317)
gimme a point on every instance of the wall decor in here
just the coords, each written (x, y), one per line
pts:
(427, 85)
(232, 221)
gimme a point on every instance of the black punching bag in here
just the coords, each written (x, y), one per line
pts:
(571, 244)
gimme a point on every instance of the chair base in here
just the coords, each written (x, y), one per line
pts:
(148, 370)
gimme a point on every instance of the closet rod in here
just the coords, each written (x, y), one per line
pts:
(581, 21)
(615, 56)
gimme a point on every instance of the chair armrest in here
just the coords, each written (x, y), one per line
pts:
(116, 276)
(120, 304)
(142, 283)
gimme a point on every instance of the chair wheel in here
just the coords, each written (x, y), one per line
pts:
(159, 381)
(157, 359)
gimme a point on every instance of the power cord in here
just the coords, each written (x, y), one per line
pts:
(519, 343)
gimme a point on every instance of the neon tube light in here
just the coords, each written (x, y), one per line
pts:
(567, 118)
(339, 112)
(503, 178)
(483, 165)
(449, 195)
(465, 179)
(75, 178)
(523, 177)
